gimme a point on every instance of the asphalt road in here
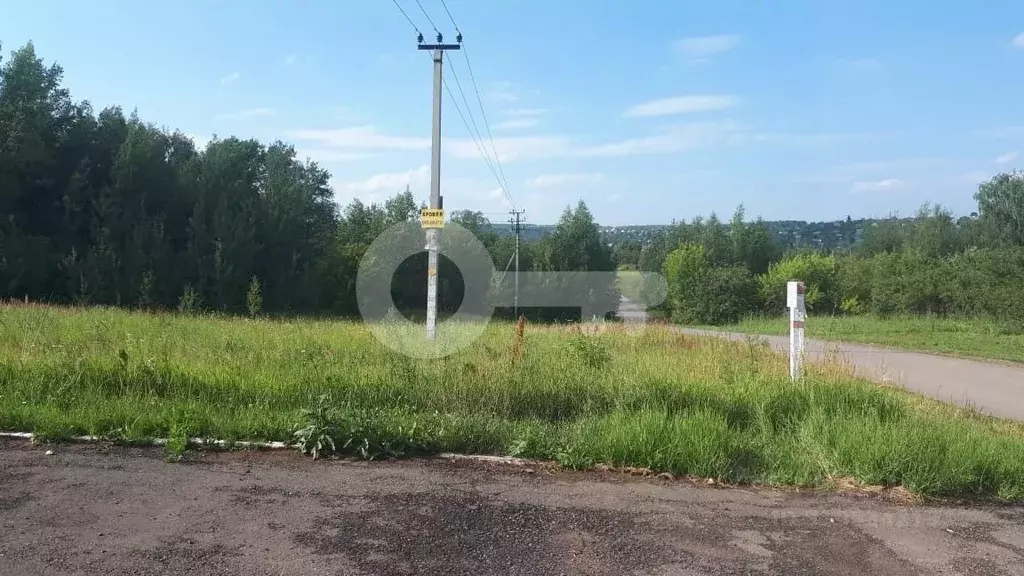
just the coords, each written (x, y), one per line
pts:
(90, 510)
(997, 389)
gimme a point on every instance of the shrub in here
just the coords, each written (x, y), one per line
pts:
(190, 301)
(724, 296)
(684, 270)
(816, 271)
(254, 298)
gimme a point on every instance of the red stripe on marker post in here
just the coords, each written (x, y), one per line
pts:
(798, 324)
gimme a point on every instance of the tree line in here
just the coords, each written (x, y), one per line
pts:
(932, 263)
(105, 208)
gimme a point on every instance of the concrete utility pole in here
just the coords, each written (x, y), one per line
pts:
(434, 234)
(516, 227)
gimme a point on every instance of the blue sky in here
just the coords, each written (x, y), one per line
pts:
(647, 110)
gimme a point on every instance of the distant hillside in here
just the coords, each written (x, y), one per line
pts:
(834, 235)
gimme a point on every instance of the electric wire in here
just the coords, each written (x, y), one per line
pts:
(428, 17)
(448, 12)
(474, 132)
(483, 111)
(409, 20)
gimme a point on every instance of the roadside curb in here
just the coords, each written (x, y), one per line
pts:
(223, 444)
(201, 442)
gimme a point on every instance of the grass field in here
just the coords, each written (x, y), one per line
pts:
(652, 399)
(630, 283)
(967, 337)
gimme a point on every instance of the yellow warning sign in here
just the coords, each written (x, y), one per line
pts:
(432, 218)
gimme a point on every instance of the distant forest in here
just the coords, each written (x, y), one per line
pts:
(829, 236)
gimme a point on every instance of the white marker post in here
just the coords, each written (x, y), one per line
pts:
(797, 314)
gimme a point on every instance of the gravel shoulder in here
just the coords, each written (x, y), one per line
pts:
(95, 509)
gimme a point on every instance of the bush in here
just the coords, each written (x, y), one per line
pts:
(685, 269)
(816, 271)
(190, 301)
(254, 298)
(853, 283)
(724, 296)
(909, 283)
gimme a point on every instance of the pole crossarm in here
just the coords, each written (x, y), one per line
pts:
(438, 47)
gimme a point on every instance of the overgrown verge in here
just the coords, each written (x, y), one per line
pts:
(972, 337)
(654, 400)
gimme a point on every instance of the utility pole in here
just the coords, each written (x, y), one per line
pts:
(434, 234)
(516, 227)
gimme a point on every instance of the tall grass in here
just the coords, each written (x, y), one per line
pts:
(975, 337)
(653, 399)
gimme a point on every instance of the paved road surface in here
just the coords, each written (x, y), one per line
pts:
(993, 388)
(90, 510)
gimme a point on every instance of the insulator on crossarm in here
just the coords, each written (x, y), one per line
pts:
(440, 39)
(458, 38)
(419, 38)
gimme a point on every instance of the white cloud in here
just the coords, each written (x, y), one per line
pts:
(344, 114)
(681, 105)
(521, 112)
(859, 171)
(1001, 132)
(682, 137)
(518, 118)
(976, 177)
(564, 179)
(1018, 41)
(329, 155)
(392, 181)
(200, 142)
(365, 137)
(502, 92)
(499, 96)
(243, 114)
(1007, 158)
(234, 76)
(702, 47)
(877, 185)
(513, 147)
(516, 124)
(498, 195)
(291, 59)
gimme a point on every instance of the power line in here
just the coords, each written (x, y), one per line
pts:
(487, 124)
(483, 111)
(476, 141)
(474, 132)
(501, 180)
(409, 20)
(445, 5)
(428, 16)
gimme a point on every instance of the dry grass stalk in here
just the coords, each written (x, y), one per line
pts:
(517, 343)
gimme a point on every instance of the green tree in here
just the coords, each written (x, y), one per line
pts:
(685, 269)
(576, 246)
(1001, 204)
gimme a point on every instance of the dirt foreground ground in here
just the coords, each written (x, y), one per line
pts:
(92, 509)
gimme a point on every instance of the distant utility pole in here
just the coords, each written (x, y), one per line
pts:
(434, 233)
(517, 226)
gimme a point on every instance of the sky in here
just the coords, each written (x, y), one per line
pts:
(649, 110)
